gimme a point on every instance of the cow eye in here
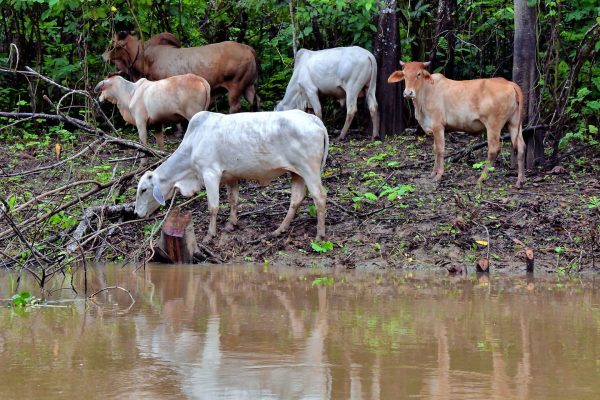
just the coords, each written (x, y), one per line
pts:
(143, 191)
(418, 75)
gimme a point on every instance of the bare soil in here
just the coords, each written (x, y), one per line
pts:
(453, 224)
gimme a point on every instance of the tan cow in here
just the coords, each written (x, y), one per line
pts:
(472, 106)
(145, 102)
(227, 66)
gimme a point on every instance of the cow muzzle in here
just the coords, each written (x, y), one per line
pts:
(410, 94)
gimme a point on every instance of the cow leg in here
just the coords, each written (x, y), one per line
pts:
(350, 112)
(232, 197)
(373, 109)
(298, 193)
(320, 198)
(234, 101)
(211, 183)
(143, 135)
(518, 144)
(493, 140)
(315, 104)
(160, 139)
(439, 145)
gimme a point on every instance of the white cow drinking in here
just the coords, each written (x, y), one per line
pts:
(220, 149)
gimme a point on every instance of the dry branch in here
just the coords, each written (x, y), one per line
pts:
(91, 213)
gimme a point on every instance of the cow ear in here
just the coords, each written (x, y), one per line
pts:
(427, 75)
(396, 76)
(158, 196)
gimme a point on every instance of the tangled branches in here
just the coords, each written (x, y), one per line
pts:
(57, 213)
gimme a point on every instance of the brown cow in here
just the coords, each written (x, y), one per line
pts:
(471, 106)
(229, 66)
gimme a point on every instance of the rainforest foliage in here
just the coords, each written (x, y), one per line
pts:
(63, 39)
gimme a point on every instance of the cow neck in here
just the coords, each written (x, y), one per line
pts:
(127, 90)
(174, 169)
(426, 91)
(140, 59)
(131, 66)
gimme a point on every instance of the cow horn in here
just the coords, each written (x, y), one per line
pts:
(426, 64)
(99, 86)
(402, 63)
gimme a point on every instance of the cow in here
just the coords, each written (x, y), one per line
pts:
(227, 66)
(344, 73)
(472, 106)
(145, 102)
(220, 149)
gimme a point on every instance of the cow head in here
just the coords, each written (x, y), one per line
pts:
(103, 87)
(149, 196)
(414, 73)
(123, 51)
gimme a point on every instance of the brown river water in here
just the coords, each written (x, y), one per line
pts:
(259, 332)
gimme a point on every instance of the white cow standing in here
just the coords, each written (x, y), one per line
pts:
(220, 149)
(344, 73)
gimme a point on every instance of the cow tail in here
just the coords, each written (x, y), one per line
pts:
(521, 107)
(258, 74)
(372, 81)
(325, 148)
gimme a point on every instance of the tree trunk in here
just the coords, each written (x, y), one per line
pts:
(444, 29)
(386, 49)
(525, 74)
(294, 35)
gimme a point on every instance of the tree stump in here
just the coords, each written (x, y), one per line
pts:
(177, 239)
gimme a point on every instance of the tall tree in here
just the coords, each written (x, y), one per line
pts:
(386, 49)
(444, 32)
(526, 75)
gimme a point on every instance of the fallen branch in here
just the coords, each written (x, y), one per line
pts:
(86, 221)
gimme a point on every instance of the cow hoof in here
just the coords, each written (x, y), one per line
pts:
(207, 239)
(276, 233)
(320, 238)
(230, 227)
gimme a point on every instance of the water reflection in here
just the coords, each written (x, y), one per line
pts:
(247, 333)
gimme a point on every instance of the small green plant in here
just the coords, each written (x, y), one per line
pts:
(312, 210)
(323, 281)
(23, 299)
(321, 247)
(393, 193)
(149, 229)
(594, 202)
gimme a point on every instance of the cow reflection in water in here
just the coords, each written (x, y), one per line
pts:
(213, 361)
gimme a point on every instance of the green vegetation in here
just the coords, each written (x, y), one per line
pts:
(64, 39)
(22, 300)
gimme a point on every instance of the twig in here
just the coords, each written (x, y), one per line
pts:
(111, 288)
(35, 170)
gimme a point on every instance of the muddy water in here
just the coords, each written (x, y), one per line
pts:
(251, 332)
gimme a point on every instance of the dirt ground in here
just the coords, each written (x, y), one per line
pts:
(383, 211)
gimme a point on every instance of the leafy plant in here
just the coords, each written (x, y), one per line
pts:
(323, 281)
(321, 247)
(23, 299)
(594, 202)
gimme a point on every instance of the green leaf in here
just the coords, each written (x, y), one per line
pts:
(370, 196)
(323, 281)
(321, 247)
